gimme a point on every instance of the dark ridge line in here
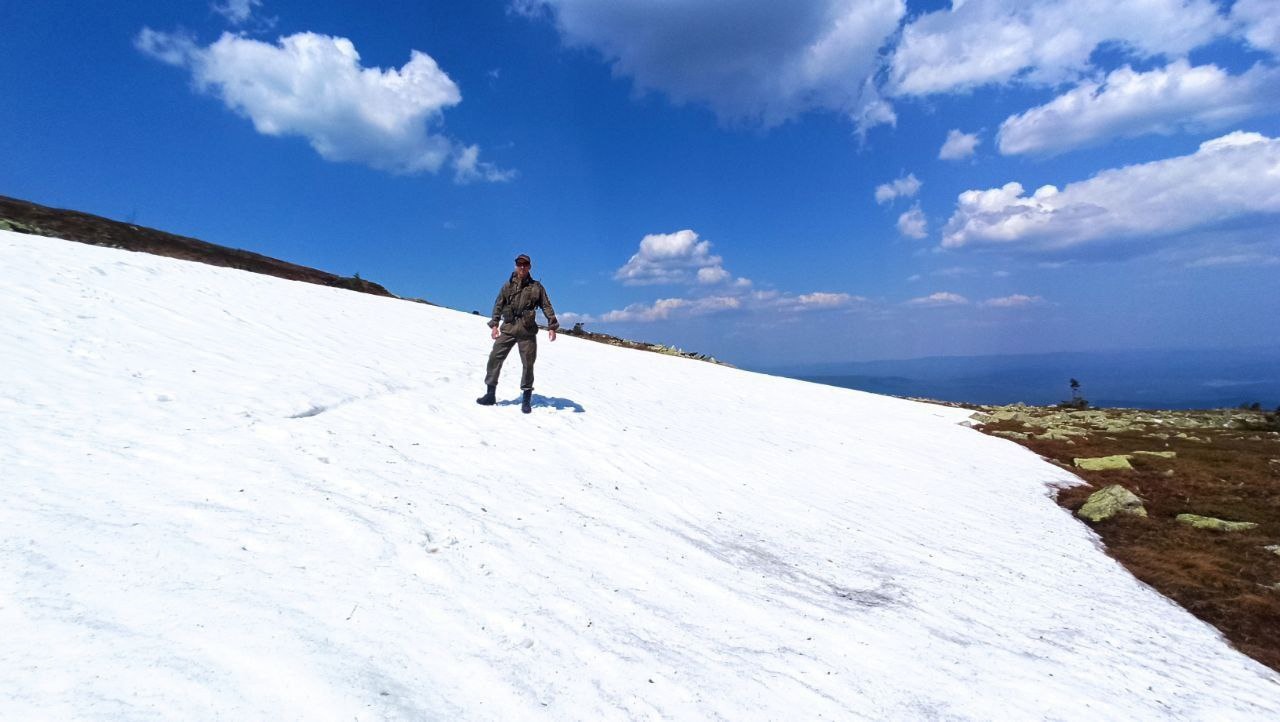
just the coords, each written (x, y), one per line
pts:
(32, 218)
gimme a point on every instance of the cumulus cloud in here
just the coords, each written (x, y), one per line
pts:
(1017, 300)
(913, 224)
(765, 62)
(1128, 104)
(237, 12)
(712, 274)
(979, 42)
(817, 300)
(1230, 177)
(670, 258)
(314, 86)
(900, 188)
(684, 258)
(663, 309)
(958, 146)
(1259, 22)
(941, 298)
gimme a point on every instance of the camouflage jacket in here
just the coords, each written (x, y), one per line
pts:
(514, 311)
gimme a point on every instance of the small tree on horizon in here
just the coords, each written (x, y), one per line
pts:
(1077, 401)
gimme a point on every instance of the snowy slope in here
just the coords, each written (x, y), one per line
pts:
(229, 496)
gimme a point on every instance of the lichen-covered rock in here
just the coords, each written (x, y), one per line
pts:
(1158, 454)
(1106, 503)
(1274, 549)
(1062, 433)
(1012, 414)
(1104, 463)
(8, 224)
(1020, 436)
(1208, 522)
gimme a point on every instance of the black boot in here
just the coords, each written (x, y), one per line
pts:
(527, 405)
(489, 399)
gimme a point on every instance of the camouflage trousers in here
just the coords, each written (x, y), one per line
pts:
(502, 347)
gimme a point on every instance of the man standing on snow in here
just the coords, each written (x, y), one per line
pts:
(513, 322)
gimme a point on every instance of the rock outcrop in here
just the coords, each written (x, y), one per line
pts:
(1108, 502)
(1104, 463)
(1208, 522)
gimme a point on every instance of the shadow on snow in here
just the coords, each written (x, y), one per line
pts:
(549, 401)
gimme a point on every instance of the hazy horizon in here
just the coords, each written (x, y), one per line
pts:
(1143, 378)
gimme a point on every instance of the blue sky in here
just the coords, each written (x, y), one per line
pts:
(772, 183)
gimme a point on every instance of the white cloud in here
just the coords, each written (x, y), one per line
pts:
(712, 274)
(1017, 300)
(913, 224)
(819, 300)
(958, 146)
(176, 49)
(1259, 23)
(236, 12)
(314, 86)
(668, 258)
(1127, 104)
(941, 298)
(900, 188)
(468, 168)
(1230, 177)
(979, 42)
(873, 110)
(667, 309)
(760, 61)
(914, 277)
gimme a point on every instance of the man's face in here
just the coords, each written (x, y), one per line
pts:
(522, 270)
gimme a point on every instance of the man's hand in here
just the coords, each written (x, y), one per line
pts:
(551, 334)
(493, 333)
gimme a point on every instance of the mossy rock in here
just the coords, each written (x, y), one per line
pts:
(1208, 522)
(1158, 454)
(11, 225)
(1104, 463)
(1062, 434)
(1106, 503)
(1016, 435)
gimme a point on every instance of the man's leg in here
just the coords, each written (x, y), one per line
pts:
(501, 347)
(528, 354)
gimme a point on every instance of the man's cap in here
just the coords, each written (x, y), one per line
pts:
(523, 260)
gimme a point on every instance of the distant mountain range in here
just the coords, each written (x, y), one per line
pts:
(1174, 379)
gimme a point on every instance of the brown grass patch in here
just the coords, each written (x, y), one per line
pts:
(1226, 579)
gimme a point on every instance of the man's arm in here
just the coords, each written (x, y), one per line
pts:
(547, 310)
(498, 303)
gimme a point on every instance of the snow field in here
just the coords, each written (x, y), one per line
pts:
(231, 496)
